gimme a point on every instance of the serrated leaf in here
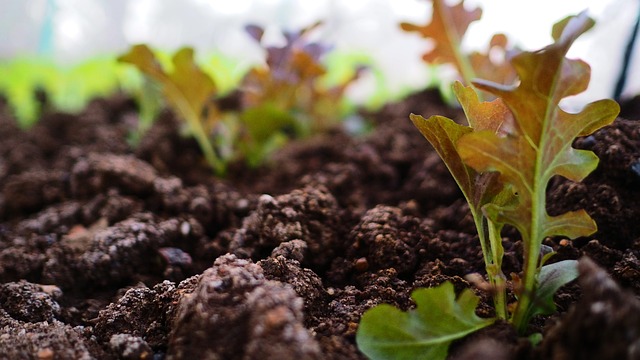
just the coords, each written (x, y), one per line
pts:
(539, 145)
(444, 134)
(447, 28)
(479, 189)
(426, 332)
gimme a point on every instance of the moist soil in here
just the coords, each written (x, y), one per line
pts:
(114, 251)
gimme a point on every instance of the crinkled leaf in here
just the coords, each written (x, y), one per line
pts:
(426, 332)
(538, 146)
(551, 278)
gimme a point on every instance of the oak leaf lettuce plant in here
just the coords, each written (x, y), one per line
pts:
(503, 162)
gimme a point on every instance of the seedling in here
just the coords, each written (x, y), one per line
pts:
(287, 97)
(189, 92)
(503, 162)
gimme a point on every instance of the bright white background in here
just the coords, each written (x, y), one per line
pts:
(71, 30)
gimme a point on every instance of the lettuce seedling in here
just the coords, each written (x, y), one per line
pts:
(503, 162)
(189, 92)
(287, 96)
(446, 30)
(537, 146)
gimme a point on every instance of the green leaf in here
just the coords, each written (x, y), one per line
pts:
(444, 134)
(426, 332)
(551, 278)
(189, 91)
(479, 189)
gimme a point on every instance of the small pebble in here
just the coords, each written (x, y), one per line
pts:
(361, 265)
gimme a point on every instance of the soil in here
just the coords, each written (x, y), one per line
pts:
(111, 251)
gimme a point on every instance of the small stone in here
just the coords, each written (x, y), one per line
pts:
(361, 265)
(185, 228)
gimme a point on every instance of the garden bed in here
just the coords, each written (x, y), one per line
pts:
(111, 251)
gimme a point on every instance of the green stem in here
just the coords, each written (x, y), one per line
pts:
(209, 153)
(202, 139)
(520, 317)
(466, 70)
(490, 242)
(481, 227)
(497, 276)
(532, 242)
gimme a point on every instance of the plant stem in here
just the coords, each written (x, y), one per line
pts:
(490, 242)
(496, 275)
(195, 126)
(532, 241)
(207, 149)
(520, 317)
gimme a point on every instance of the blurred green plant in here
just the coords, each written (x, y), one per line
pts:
(291, 95)
(67, 88)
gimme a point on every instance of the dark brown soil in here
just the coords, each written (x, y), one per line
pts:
(110, 251)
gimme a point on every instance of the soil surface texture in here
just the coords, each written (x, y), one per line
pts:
(114, 251)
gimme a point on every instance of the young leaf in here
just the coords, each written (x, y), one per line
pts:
(291, 82)
(479, 189)
(494, 63)
(447, 27)
(426, 332)
(538, 145)
(444, 134)
(288, 98)
(188, 91)
(551, 278)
